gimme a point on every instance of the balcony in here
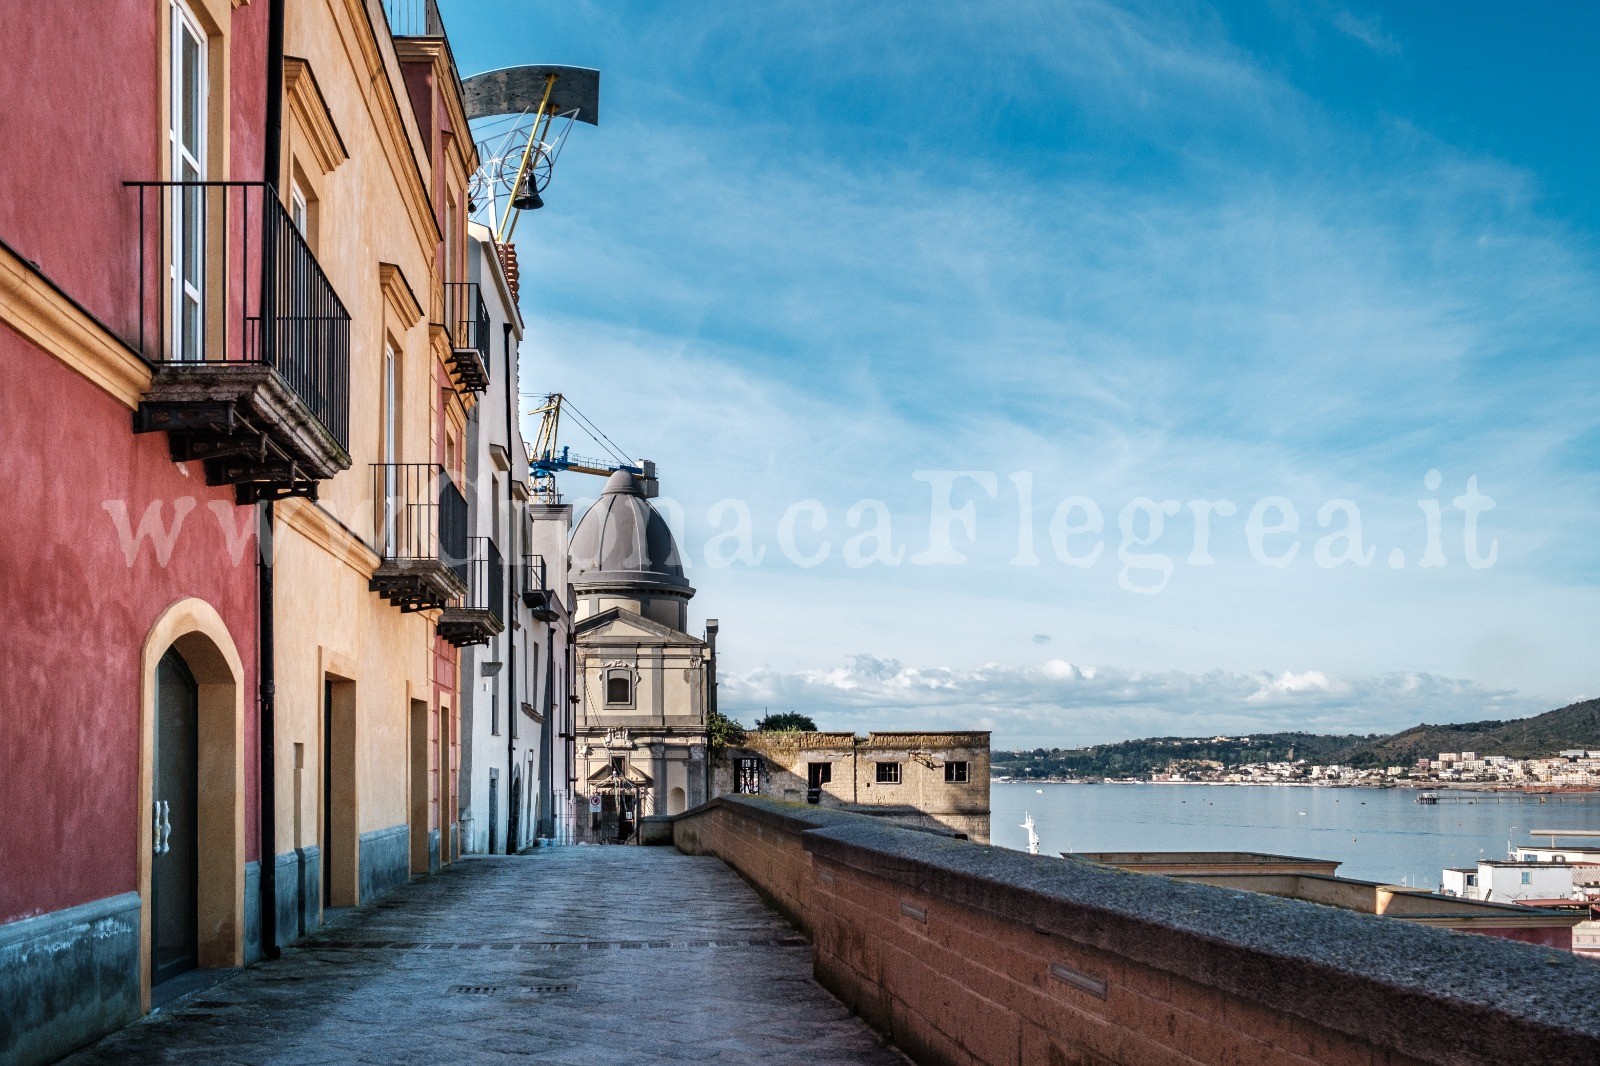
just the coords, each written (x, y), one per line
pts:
(467, 322)
(413, 18)
(249, 343)
(536, 594)
(477, 617)
(421, 535)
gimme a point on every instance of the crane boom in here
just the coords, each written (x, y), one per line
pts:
(544, 461)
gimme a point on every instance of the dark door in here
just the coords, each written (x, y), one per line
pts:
(175, 867)
(817, 775)
(326, 842)
(514, 812)
(494, 807)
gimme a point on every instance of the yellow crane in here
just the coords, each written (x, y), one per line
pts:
(544, 461)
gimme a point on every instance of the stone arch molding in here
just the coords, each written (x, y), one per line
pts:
(197, 632)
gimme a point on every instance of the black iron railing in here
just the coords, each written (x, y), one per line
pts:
(413, 18)
(420, 515)
(483, 571)
(226, 277)
(533, 579)
(467, 318)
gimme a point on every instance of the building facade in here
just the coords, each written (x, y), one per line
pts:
(234, 309)
(504, 617)
(928, 779)
(641, 679)
(127, 561)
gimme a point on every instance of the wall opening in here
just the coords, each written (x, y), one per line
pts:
(340, 820)
(191, 796)
(420, 776)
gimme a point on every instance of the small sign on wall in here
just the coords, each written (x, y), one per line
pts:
(594, 803)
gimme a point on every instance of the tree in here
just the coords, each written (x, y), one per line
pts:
(723, 731)
(786, 722)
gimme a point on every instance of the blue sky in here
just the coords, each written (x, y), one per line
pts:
(821, 258)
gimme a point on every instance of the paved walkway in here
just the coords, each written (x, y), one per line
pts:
(568, 955)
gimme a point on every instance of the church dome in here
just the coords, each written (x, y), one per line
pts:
(622, 541)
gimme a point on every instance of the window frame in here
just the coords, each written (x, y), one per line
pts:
(957, 772)
(888, 773)
(747, 776)
(188, 209)
(623, 673)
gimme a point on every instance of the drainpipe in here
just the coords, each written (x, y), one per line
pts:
(266, 669)
(513, 709)
(711, 699)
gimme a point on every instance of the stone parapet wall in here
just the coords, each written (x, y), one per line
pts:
(963, 953)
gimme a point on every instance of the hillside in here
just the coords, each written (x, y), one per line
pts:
(1574, 726)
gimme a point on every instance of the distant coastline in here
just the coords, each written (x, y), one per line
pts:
(1417, 784)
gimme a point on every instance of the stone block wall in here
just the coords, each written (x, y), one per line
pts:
(963, 953)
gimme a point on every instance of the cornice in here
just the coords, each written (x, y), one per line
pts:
(399, 295)
(35, 308)
(308, 105)
(328, 533)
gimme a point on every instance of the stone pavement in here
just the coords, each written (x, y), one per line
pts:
(567, 955)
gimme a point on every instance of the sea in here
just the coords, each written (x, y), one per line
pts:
(1378, 834)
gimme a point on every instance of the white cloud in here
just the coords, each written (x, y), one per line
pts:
(1060, 704)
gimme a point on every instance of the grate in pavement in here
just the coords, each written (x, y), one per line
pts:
(512, 990)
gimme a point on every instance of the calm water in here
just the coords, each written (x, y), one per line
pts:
(1379, 835)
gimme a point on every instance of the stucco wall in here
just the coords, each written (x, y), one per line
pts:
(79, 608)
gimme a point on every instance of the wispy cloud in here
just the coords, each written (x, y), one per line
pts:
(1367, 29)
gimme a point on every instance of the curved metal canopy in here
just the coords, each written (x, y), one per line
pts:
(518, 90)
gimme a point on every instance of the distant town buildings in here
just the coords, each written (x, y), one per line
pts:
(1576, 768)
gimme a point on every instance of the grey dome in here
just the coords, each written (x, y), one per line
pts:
(622, 541)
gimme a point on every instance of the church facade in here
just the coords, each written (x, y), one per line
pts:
(642, 680)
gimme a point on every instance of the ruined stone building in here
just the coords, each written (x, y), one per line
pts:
(935, 780)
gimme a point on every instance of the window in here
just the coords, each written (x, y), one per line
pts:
(619, 766)
(955, 773)
(391, 451)
(747, 779)
(298, 212)
(888, 773)
(619, 689)
(189, 109)
(1527, 878)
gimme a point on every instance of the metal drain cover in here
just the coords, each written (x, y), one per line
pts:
(512, 990)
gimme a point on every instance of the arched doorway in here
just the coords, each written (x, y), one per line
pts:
(175, 859)
(191, 796)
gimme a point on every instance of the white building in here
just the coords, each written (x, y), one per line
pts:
(505, 656)
(1509, 881)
